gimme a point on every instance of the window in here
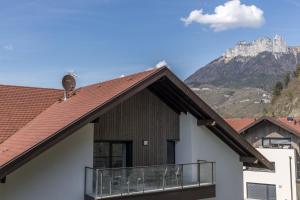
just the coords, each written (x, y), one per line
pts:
(171, 152)
(261, 191)
(112, 154)
(279, 143)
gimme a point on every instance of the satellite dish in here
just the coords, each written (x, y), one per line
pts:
(69, 84)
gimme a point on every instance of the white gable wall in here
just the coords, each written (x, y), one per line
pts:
(46, 177)
(281, 177)
(199, 143)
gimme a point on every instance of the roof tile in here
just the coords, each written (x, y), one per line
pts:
(239, 123)
(19, 105)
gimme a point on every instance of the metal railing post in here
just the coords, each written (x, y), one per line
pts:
(177, 174)
(212, 173)
(128, 183)
(110, 181)
(143, 180)
(101, 184)
(97, 182)
(85, 179)
(164, 178)
(182, 176)
(199, 177)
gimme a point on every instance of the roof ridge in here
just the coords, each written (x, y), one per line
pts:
(48, 88)
(124, 77)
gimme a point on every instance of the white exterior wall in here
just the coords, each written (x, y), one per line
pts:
(57, 174)
(281, 177)
(199, 143)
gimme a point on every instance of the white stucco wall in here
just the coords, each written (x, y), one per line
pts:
(281, 177)
(199, 143)
(57, 174)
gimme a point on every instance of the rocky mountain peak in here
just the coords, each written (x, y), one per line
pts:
(238, 80)
(276, 45)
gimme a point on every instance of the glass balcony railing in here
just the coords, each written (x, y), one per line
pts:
(104, 183)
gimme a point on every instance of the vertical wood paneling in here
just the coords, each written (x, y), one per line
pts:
(142, 117)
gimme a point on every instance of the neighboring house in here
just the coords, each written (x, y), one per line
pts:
(278, 139)
(143, 136)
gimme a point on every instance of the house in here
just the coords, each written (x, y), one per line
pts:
(278, 140)
(143, 136)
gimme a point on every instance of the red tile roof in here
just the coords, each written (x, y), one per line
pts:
(63, 113)
(293, 125)
(19, 105)
(239, 123)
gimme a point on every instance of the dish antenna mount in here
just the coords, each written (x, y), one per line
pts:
(69, 84)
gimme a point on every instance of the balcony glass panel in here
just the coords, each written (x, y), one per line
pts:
(103, 183)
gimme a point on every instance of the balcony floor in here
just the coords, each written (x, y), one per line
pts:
(191, 192)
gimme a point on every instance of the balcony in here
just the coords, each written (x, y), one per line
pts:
(196, 179)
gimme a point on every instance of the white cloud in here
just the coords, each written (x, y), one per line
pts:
(162, 63)
(8, 47)
(231, 15)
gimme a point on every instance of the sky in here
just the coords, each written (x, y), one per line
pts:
(41, 40)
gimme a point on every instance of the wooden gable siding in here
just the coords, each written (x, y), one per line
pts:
(141, 117)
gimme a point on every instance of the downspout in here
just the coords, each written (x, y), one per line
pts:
(291, 181)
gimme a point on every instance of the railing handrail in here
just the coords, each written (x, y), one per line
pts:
(149, 166)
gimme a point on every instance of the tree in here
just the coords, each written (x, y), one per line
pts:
(286, 79)
(297, 71)
(277, 89)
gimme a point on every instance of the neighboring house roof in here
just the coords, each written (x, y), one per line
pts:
(293, 125)
(241, 125)
(19, 105)
(62, 118)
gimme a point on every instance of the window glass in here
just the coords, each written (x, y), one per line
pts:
(112, 154)
(102, 149)
(171, 152)
(266, 142)
(276, 142)
(261, 191)
(101, 154)
(280, 141)
(272, 192)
